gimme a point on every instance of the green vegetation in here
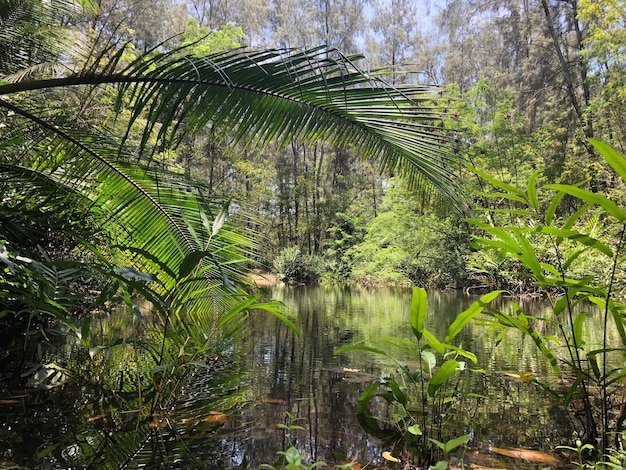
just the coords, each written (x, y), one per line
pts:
(406, 246)
(148, 161)
(93, 215)
(575, 263)
(421, 394)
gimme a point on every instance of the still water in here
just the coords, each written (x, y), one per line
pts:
(302, 375)
(227, 418)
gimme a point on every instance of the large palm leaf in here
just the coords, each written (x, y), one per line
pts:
(250, 97)
(253, 97)
(263, 95)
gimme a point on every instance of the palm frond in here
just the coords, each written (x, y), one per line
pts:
(251, 97)
(258, 96)
(30, 43)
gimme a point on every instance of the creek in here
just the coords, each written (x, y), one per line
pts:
(227, 418)
(302, 375)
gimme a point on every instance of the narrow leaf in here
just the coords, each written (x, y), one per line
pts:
(465, 317)
(579, 237)
(532, 191)
(554, 204)
(418, 311)
(593, 198)
(612, 157)
(219, 221)
(85, 336)
(442, 375)
(456, 442)
(499, 184)
(578, 330)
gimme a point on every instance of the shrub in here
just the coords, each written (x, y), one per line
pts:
(295, 268)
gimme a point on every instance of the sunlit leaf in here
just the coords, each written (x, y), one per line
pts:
(390, 458)
(579, 237)
(456, 442)
(465, 317)
(415, 430)
(593, 198)
(418, 311)
(441, 376)
(612, 157)
(532, 190)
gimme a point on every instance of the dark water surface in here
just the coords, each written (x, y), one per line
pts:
(279, 372)
(302, 375)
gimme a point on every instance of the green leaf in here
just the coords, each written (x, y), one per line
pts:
(512, 197)
(293, 456)
(509, 190)
(418, 311)
(465, 317)
(85, 336)
(616, 310)
(522, 323)
(433, 342)
(360, 347)
(415, 430)
(577, 237)
(593, 198)
(554, 204)
(439, 444)
(219, 221)
(532, 191)
(612, 157)
(398, 394)
(572, 390)
(578, 330)
(442, 375)
(456, 442)
(572, 219)
(190, 262)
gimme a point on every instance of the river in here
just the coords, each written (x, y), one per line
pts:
(229, 417)
(302, 375)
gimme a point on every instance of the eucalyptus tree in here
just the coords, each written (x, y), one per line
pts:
(291, 24)
(146, 24)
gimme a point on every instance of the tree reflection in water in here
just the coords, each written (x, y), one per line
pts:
(277, 371)
(301, 374)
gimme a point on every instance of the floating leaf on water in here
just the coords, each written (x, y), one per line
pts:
(534, 456)
(387, 456)
(215, 417)
(525, 377)
(274, 401)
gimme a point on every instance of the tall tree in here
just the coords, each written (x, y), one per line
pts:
(145, 24)
(394, 35)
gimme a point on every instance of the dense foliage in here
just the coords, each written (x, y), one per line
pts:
(149, 156)
(527, 83)
(96, 212)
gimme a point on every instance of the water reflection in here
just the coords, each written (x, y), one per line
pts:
(277, 371)
(302, 375)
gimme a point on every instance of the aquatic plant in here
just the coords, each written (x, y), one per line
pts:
(419, 396)
(574, 255)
